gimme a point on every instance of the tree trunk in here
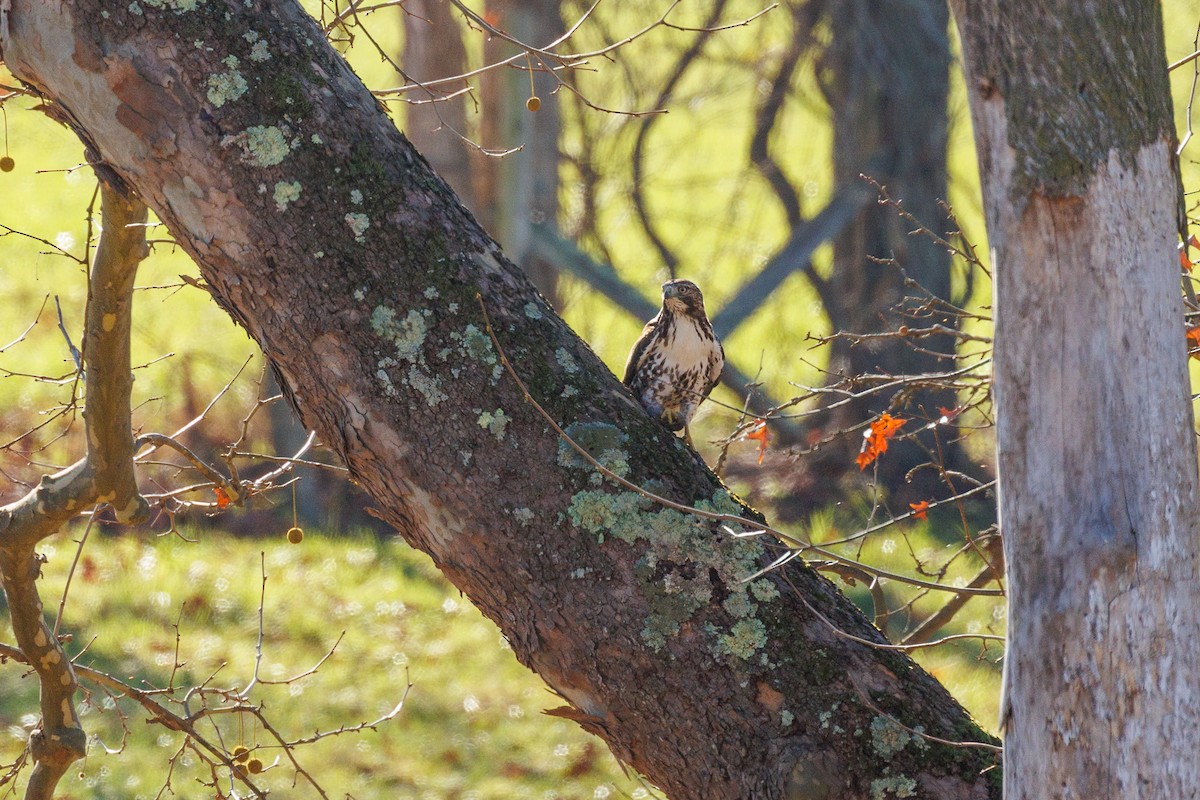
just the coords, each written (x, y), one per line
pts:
(1096, 452)
(436, 122)
(327, 236)
(520, 190)
(886, 76)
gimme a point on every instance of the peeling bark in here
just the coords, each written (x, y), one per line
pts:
(327, 236)
(1097, 456)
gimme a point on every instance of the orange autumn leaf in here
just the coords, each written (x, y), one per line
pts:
(920, 509)
(1194, 241)
(875, 438)
(1185, 263)
(762, 436)
(1193, 340)
(222, 498)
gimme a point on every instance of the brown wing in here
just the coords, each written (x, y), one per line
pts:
(639, 350)
(714, 368)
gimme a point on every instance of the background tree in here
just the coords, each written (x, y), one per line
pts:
(886, 76)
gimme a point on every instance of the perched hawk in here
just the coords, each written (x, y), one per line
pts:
(677, 360)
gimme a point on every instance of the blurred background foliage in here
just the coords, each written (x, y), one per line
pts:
(747, 154)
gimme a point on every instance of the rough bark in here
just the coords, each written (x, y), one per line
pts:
(327, 236)
(1096, 452)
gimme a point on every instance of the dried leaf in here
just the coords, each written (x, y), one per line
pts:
(222, 498)
(875, 438)
(920, 509)
(763, 436)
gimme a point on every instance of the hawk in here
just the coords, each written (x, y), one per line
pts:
(677, 360)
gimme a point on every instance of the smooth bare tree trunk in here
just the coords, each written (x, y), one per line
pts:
(436, 121)
(322, 231)
(1097, 456)
(520, 190)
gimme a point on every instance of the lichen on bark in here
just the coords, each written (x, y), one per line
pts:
(1102, 99)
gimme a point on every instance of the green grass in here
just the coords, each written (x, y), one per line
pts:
(472, 726)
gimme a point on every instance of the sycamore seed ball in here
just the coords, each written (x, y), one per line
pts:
(295, 535)
(7, 164)
(240, 753)
(533, 103)
(254, 766)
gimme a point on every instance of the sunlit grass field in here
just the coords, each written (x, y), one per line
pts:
(471, 727)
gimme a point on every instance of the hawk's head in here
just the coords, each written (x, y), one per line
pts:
(683, 297)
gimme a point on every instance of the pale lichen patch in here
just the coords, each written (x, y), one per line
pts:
(603, 442)
(744, 639)
(477, 345)
(286, 192)
(406, 335)
(225, 87)
(739, 605)
(427, 385)
(900, 786)
(178, 6)
(657, 631)
(764, 590)
(495, 422)
(358, 225)
(679, 539)
(887, 737)
(565, 360)
(265, 145)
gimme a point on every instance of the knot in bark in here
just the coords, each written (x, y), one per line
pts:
(58, 747)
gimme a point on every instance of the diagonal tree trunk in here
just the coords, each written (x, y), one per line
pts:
(322, 231)
(1097, 456)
